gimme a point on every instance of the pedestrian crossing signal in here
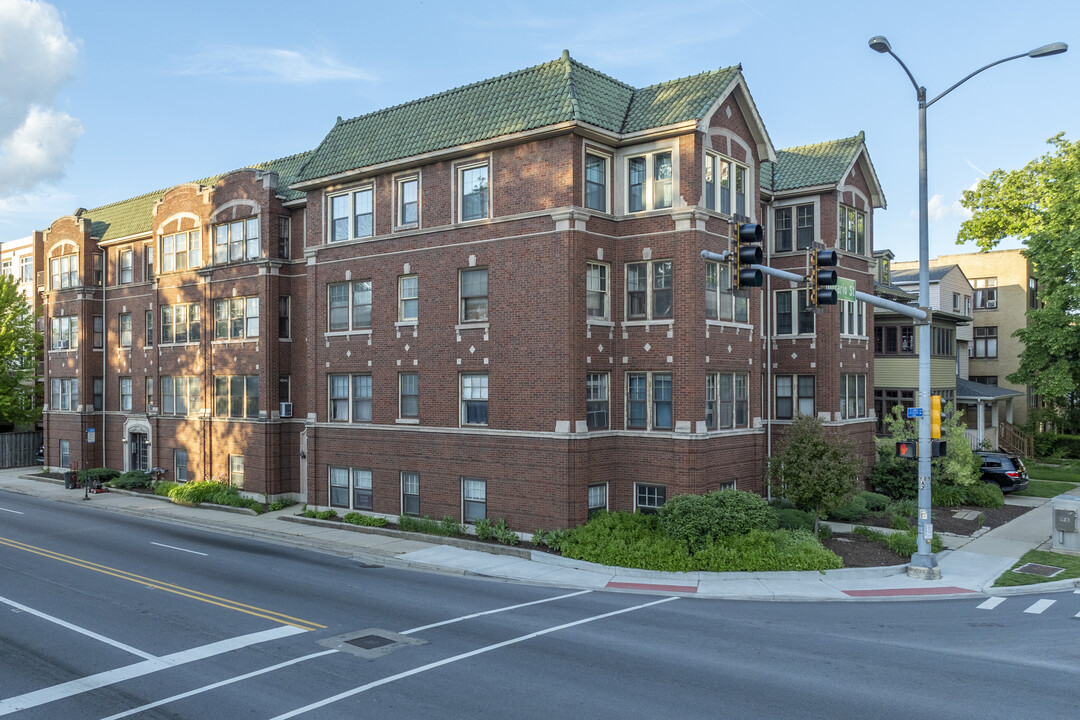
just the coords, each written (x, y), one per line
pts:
(906, 449)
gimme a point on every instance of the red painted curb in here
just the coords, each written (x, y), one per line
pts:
(908, 591)
(650, 586)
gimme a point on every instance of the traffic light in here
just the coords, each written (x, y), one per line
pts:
(907, 449)
(749, 242)
(935, 417)
(819, 294)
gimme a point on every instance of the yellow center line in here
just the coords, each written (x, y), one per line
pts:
(167, 587)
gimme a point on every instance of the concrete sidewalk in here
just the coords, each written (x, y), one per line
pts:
(969, 567)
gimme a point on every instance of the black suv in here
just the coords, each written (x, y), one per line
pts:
(1006, 470)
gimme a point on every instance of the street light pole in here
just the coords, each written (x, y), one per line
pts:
(924, 563)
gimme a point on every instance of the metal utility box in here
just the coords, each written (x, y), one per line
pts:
(1066, 528)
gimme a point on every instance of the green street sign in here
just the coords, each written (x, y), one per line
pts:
(845, 289)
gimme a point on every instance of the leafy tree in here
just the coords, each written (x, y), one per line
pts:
(899, 477)
(1040, 204)
(815, 468)
(20, 346)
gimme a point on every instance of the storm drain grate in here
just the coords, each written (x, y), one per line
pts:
(1037, 569)
(370, 642)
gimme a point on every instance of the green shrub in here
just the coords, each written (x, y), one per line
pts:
(902, 543)
(1053, 445)
(484, 531)
(696, 519)
(429, 525)
(900, 522)
(626, 540)
(907, 508)
(308, 513)
(854, 511)
(164, 487)
(779, 503)
(792, 519)
(987, 495)
(550, 538)
(948, 495)
(131, 479)
(896, 477)
(98, 475)
(194, 493)
(504, 534)
(355, 518)
(326, 515)
(875, 502)
(760, 550)
(824, 531)
(451, 527)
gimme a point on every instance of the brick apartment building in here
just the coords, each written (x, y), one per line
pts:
(487, 302)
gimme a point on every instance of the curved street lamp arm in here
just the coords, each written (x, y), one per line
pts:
(919, 90)
(958, 84)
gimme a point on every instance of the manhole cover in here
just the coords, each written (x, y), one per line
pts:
(1036, 569)
(370, 642)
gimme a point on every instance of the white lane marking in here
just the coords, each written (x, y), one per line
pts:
(173, 547)
(1038, 607)
(110, 677)
(991, 603)
(462, 656)
(492, 612)
(76, 628)
(215, 686)
(12, 511)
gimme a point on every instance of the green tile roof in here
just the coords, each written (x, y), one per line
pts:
(560, 91)
(811, 165)
(135, 215)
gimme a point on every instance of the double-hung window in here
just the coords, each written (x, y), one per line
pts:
(474, 399)
(125, 330)
(64, 272)
(410, 493)
(26, 269)
(985, 344)
(408, 298)
(148, 393)
(852, 318)
(236, 396)
(125, 393)
(794, 393)
(180, 465)
(473, 499)
(474, 295)
(597, 305)
(148, 262)
(98, 391)
(597, 499)
(182, 251)
(649, 497)
(149, 328)
(284, 326)
(985, 293)
(720, 300)
(350, 488)
(181, 323)
(181, 395)
(794, 321)
(350, 398)
(596, 173)
(284, 236)
(475, 196)
(236, 241)
(409, 401)
(352, 214)
(726, 185)
(236, 318)
(852, 396)
(794, 228)
(350, 306)
(852, 230)
(65, 333)
(649, 181)
(648, 401)
(99, 332)
(65, 394)
(727, 402)
(596, 401)
(408, 201)
(126, 266)
(649, 288)
(236, 471)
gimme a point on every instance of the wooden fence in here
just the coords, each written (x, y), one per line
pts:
(19, 449)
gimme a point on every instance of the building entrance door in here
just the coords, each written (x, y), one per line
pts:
(137, 447)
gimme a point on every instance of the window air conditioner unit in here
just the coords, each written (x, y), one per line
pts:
(286, 409)
(990, 304)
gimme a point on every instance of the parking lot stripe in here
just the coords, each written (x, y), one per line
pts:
(1038, 607)
(76, 628)
(991, 603)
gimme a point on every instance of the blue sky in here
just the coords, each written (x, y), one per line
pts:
(101, 101)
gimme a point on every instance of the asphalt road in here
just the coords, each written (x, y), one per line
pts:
(108, 616)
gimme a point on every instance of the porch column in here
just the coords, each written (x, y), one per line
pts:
(1008, 410)
(980, 424)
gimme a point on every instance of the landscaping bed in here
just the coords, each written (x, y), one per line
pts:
(945, 520)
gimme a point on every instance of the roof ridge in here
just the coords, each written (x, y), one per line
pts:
(604, 75)
(451, 91)
(717, 71)
(861, 137)
(571, 87)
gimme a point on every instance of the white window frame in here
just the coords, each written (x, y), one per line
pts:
(459, 181)
(714, 395)
(236, 471)
(190, 392)
(597, 394)
(981, 339)
(64, 394)
(650, 154)
(598, 284)
(658, 489)
(597, 498)
(847, 242)
(64, 332)
(722, 306)
(353, 399)
(180, 477)
(408, 292)
(853, 396)
(796, 331)
(650, 400)
(474, 491)
(477, 389)
(26, 269)
(713, 164)
(352, 230)
(359, 485)
(985, 293)
(125, 266)
(125, 394)
(188, 322)
(249, 317)
(795, 396)
(852, 318)
(171, 254)
(352, 320)
(410, 488)
(794, 204)
(463, 299)
(126, 334)
(250, 246)
(650, 292)
(64, 272)
(605, 158)
(399, 201)
(415, 416)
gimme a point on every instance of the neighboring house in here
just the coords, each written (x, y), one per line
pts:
(1004, 289)
(489, 302)
(21, 260)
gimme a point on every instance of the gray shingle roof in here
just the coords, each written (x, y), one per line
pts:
(811, 165)
(912, 276)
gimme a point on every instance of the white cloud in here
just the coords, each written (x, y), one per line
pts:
(938, 209)
(270, 65)
(36, 59)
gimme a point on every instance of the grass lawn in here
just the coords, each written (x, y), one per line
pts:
(1071, 563)
(1059, 473)
(1045, 488)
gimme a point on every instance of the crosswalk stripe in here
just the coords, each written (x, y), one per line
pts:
(991, 603)
(1038, 607)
